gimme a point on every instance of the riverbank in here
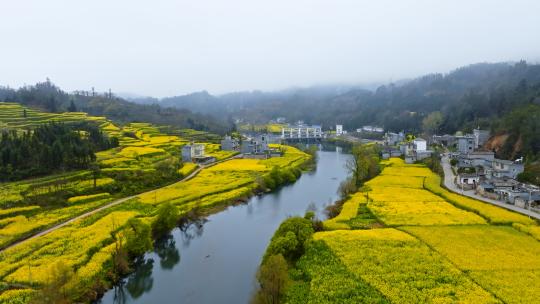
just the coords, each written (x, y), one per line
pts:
(85, 246)
(408, 240)
(218, 257)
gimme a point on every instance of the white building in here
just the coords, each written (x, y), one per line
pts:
(419, 144)
(370, 129)
(255, 145)
(192, 152)
(301, 132)
(339, 129)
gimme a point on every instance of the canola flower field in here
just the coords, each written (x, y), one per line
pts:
(85, 245)
(26, 206)
(432, 246)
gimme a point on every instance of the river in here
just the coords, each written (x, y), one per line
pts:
(215, 261)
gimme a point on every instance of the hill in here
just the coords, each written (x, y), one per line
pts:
(48, 97)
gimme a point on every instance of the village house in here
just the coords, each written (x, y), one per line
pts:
(339, 130)
(195, 153)
(388, 152)
(504, 168)
(444, 140)
(475, 159)
(255, 145)
(468, 180)
(509, 196)
(531, 201)
(480, 137)
(466, 143)
(393, 139)
(230, 144)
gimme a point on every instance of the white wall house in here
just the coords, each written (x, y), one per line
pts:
(419, 144)
(339, 129)
(191, 152)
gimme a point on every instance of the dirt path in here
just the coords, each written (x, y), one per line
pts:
(112, 204)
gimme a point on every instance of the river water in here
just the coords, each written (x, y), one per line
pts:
(215, 261)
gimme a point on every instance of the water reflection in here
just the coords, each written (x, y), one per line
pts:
(141, 281)
(167, 252)
(214, 260)
(190, 229)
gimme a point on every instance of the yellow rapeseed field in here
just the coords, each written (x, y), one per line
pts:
(499, 258)
(348, 211)
(445, 248)
(402, 268)
(422, 213)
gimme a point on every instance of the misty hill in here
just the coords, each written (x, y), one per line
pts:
(468, 96)
(47, 96)
(489, 95)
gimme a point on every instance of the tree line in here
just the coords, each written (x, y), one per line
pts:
(50, 147)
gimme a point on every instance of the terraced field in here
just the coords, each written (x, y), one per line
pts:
(16, 116)
(85, 245)
(419, 244)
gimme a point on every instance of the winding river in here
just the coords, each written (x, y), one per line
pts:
(215, 261)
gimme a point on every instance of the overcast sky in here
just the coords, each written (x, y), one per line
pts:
(168, 47)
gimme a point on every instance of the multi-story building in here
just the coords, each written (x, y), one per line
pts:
(339, 129)
(255, 145)
(505, 168)
(191, 152)
(229, 144)
(466, 143)
(480, 137)
(392, 139)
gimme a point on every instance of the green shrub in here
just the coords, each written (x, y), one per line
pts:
(290, 238)
(166, 220)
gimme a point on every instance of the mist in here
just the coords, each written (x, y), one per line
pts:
(164, 48)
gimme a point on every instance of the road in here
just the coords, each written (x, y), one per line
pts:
(449, 178)
(111, 204)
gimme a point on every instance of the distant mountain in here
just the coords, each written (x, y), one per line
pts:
(466, 97)
(483, 94)
(47, 96)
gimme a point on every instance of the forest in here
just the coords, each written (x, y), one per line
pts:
(49, 148)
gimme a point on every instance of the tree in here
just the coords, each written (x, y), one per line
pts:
(290, 238)
(138, 237)
(273, 280)
(52, 105)
(166, 219)
(432, 122)
(363, 164)
(72, 107)
(96, 170)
